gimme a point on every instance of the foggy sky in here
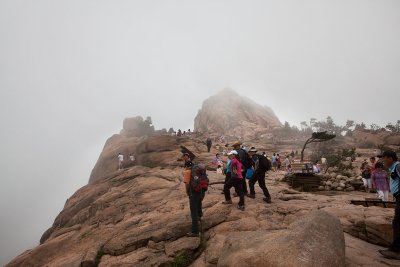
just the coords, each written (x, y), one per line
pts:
(71, 71)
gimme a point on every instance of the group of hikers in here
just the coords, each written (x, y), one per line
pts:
(249, 165)
(375, 177)
(242, 165)
(120, 158)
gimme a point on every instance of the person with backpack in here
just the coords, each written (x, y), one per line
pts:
(196, 184)
(261, 166)
(209, 144)
(245, 161)
(390, 160)
(236, 180)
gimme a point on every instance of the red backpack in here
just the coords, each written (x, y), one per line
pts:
(199, 181)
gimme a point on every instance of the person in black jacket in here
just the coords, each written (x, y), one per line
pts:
(209, 144)
(261, 166)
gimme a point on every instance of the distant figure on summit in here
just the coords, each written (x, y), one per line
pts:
(120, 161)
(209, 144)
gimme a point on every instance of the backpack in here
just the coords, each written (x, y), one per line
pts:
(264, 164)
(199, 181)
(245, 158)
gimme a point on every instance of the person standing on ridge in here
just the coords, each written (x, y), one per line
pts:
(261, 166)
(120, 161)
(390, 160)
(209, 144)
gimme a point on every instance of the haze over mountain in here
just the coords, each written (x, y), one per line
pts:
(71, 70)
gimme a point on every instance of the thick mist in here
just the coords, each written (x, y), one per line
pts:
(71, 71)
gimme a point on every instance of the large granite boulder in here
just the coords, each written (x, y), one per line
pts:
(314, 240)
(228, 113)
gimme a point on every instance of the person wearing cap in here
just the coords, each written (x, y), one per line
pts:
(261, 166)
(195, 198)
(236, 181)
(243, 157)
(390, 160)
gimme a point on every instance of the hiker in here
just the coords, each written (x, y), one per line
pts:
(236, 181)
(246, 161)
(390, 160)
(120, 161)
(380, 182)
(195, 196)
(278, 161)
(324, 164)
(261, 166)
(366, 176)
(316, 167)
(373, 162)
(179, 134)
(274, 162)
(292, 154)
(216, 161)
(209, 144)
(132, 158)
(227, 171)
(287, 163)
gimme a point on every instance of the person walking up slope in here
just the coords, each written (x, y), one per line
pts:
(261, 166)
(236, 181)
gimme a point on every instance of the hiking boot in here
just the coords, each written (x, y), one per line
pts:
(227, 202)
(192, 235)
(251, 196)
(240, 207)
(390, 254)
(267, 199)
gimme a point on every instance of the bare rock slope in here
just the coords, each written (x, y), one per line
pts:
(231, 114)
(139, 216)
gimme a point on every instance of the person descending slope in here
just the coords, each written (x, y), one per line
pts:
(261, 166)
(236, 181)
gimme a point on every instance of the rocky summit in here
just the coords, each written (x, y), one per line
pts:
(138, 215)
(228, 113)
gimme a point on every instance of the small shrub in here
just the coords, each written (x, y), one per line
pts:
(182, 260)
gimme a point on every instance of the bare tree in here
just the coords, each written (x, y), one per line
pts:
(317, 137)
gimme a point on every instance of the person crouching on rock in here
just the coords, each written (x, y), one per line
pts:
(236, 180)
(195, 198)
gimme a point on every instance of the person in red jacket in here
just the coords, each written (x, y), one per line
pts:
(236, 181)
